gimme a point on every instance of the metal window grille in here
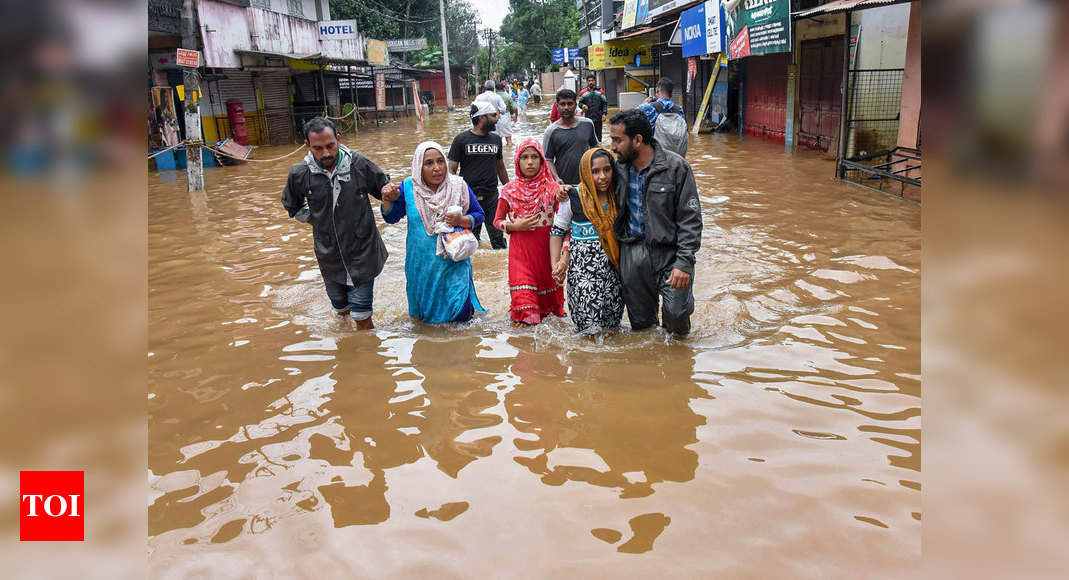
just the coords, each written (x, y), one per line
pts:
(874, 110)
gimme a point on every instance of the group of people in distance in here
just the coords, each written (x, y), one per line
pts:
(621, 228)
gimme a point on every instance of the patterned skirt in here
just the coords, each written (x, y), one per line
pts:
(595, 292)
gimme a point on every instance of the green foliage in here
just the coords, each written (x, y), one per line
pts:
(385, 20)
(533, 28)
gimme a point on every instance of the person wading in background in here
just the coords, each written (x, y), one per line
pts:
(476, 155)
(594, 104)
(565, 141)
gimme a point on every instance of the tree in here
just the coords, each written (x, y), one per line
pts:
(384, 20)
(533, 28)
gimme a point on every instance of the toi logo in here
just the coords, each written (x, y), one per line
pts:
(51, 506)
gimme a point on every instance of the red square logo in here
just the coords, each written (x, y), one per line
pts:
(52, 506)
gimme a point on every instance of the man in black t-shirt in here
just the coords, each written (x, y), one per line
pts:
(476, 155)
(565, 141)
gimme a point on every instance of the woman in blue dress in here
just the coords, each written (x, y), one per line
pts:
(439, 289)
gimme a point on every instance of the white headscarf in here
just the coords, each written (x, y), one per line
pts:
(431, 204)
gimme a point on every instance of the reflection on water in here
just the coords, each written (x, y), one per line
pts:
(782, 438)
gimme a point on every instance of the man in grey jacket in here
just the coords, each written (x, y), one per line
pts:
(329, 190)
(658, 224)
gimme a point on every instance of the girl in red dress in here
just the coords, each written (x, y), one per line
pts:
(525, 211)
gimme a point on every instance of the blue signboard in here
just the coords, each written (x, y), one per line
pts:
(573, 53)
(642, 14)
(558, 56)
(702, 28)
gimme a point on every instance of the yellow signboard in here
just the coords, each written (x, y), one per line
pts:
(630, 9)
(298, 64)
(619, 53)
(376, 52)
(182, 93)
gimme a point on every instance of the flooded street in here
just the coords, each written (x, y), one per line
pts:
(781, 439)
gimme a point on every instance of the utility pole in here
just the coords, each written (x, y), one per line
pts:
(194, 165)
(489, 53)
(445, 58)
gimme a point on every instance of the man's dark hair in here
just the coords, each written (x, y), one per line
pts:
(635, 123)
(474, 120)
(666, 85)
(588, 77)
(500, 86)
(317, 125)
(565, 94)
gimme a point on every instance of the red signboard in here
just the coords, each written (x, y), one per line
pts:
(380, 91)
(415, 99)
(188, 57)
(740, 46)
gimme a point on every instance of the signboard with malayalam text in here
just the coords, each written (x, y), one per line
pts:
(564, 55)
(659, 7)
(406, 44)
(758, 27)
(336, 29)
(186, 57)
(380, 91)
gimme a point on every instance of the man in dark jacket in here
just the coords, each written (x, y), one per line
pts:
(329, 190)
(659, 225)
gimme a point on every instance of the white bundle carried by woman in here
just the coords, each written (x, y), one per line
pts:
(460, 244)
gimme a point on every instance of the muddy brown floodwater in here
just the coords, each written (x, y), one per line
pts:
(781, 439)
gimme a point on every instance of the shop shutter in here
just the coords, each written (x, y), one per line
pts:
(333, 92)
(276, 93)
(306, 87)
(237, 85)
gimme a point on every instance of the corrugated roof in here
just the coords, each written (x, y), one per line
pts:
(836, 6)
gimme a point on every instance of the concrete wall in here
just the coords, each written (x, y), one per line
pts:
(883, 36)
(909, 126)
(224, 28)
(307, 7)
(824, 26)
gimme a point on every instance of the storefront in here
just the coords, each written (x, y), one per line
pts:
(701, 38)
(759, 33)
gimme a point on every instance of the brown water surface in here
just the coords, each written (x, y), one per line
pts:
(781, 439)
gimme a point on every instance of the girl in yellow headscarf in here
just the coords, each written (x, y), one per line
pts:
(591, 254)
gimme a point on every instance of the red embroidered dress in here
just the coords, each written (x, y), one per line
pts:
(532, 288)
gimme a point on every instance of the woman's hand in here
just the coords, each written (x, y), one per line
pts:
(562, 192)
(560, 269)
(457, 221)
(390, 192)
(524, 224)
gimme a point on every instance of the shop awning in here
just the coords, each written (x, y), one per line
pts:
(836, 6)
(646, 30)
(317, 57)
